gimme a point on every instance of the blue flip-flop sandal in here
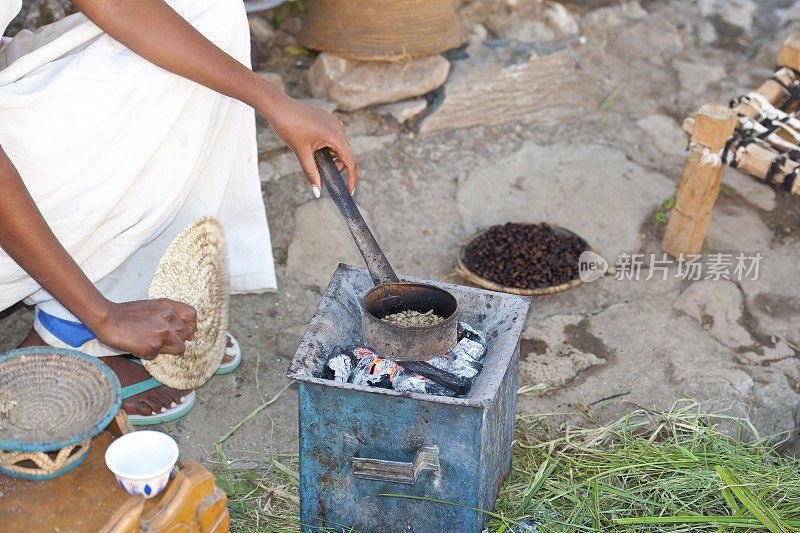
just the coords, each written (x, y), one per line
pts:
(156, 418)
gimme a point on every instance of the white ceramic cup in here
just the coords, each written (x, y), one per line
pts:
(142, 461)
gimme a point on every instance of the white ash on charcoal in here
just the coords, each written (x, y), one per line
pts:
(339, 366)
(450, 374)
(466, 332)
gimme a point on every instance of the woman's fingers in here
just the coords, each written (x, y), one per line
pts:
(311, 171)
(348, 160)
(188, 315)
(173, 344)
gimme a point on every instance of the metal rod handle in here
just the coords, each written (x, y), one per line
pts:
(379, 267)
(427, 458)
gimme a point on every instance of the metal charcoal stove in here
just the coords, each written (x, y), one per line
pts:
(363, 448)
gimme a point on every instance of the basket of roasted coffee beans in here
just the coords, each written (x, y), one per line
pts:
(522, 258)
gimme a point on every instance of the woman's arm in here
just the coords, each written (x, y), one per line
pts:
(152, 29)
(144, 328)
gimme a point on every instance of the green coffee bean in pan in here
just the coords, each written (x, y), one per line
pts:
(413, 318)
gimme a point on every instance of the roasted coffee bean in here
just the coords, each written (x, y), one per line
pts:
(525, 256)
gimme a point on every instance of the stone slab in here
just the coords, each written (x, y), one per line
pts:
(357, 84)
(664, 133)
(736, 228)
(484, 91)
(321, 241)
(753, 189)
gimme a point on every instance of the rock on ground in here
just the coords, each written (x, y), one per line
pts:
(718, 305)
(280, 164)
(482, 90)
(664, 133)
(736, 228)
(594, 191)
(365, 144)
(356, 84)
(697, 77)
(403, 111)
(651, 39)
(260, 28)
(272, 77)
(735, 14)
(616, 14)
(549, 357)
(650, 352)
(753, 189)
(321, 241)
(773, 299)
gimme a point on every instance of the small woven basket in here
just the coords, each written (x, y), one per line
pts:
(194, 271)
(52, 402)
(479, 281)
(382, 30)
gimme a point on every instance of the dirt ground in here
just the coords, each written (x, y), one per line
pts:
(597, 349)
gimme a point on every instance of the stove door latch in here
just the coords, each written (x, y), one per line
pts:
(427, 458)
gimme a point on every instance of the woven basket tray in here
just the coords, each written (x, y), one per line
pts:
(193, 270)
(55, 401)
(475, 279)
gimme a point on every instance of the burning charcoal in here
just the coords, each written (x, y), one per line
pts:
(405, 381)
(373, 370)
(339, 366)
(457, 384)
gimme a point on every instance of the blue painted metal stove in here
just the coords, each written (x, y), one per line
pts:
(362, 449)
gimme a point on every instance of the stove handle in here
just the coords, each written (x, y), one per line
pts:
(427, 458)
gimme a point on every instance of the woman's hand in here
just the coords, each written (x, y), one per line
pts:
(305, 129)
(147, 328)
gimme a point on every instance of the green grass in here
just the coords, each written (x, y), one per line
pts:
(649, 471)
(646, 472)
(608, 102)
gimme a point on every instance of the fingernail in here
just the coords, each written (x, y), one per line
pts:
(173, 405)
(354, 190)
(163, 409)
(315, 189)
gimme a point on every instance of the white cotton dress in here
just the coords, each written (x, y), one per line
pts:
(121, 155)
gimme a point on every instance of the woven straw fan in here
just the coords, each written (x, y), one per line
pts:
(194, 270)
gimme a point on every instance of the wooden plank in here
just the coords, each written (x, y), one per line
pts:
(126, 519)
(713, 124)
(190, 496)
(790, 52)
(699, 185)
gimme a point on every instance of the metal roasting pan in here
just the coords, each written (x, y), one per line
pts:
(390, 295)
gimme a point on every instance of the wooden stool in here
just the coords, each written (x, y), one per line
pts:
(711, 143)
(90, 499)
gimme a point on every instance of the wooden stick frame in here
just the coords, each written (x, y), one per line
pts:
(711, 139)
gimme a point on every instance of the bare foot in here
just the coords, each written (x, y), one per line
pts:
(145, 403)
